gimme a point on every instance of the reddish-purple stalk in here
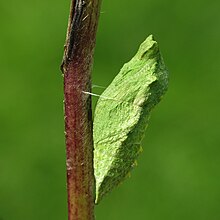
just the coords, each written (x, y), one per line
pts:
(76, 67)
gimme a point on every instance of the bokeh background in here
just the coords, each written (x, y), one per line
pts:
(178, 173)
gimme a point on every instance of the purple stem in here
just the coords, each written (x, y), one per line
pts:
(76, 67)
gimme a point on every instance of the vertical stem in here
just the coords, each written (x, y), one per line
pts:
(77, 64)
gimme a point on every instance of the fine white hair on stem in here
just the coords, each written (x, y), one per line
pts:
(101, 96)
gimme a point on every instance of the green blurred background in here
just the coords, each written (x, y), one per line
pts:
(178, 174)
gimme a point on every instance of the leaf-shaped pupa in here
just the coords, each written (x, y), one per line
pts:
(122, 113)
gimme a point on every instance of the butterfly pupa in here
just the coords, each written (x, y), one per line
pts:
(120, 120)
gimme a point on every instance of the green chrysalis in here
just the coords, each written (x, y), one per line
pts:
(122, 113)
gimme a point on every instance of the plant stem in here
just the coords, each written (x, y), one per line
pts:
(76, 67)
